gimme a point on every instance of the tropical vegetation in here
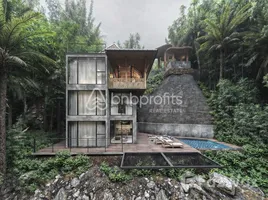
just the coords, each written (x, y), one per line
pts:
(230, 54)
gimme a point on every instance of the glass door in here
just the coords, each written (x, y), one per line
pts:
(121, 132)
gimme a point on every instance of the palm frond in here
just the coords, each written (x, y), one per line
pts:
(11, 60)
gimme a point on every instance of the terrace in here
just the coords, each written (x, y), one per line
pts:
(144, 144)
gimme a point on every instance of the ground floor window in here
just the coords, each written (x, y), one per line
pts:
(87, 134)
(121, 132)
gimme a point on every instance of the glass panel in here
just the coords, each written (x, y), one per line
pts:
(101, 128)
(101, 78)
(86, 71)
(101, 103)
(72, 71)
(87, 134)
(87, 103)
(101, 64)
(101, 133)
(73, 133)
(122, 131)
(72, 102)
(121, 104)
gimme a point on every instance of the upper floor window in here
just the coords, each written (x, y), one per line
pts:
(86, 70)
(121, 104)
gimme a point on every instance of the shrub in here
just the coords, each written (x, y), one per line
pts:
(154, 80)
(39, 171)
(115, 174)
(247, 167)
(239, 119)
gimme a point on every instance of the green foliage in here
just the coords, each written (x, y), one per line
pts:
(36, 172)
(240, 120)
(265, 80)
(141, 172)
(132, 43)
(33, 172)
(228, 38)
(20, 144)
(114, 173)
(237, 117)
(206, 92)
(176, 174)
(155, 79)
(250, 166)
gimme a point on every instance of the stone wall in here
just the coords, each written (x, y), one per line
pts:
(182, 130)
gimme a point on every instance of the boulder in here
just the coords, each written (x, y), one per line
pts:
(161, 195)
(223, 183)
(61, 195)
(75, 182)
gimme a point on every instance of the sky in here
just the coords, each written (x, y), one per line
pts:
(150, 18)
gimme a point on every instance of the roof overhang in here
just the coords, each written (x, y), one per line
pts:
(142, 59)
(179, 50)
(161, 50)
(169, 49)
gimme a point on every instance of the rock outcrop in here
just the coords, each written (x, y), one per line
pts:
(95, 185)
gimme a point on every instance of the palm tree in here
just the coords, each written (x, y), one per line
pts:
(257, 38)
(221, 31)
(13, 56)
(196, 14)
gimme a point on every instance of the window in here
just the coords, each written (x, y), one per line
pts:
(87, 103)
(87, 134)
(86, 70)
(122, 107)
(121, 104)
(101, 78)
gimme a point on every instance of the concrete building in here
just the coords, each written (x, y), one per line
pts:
(99, 87)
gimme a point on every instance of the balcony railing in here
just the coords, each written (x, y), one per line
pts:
(127, 83)
(178, 64)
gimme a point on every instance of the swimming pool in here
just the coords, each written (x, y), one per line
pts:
(204, 144)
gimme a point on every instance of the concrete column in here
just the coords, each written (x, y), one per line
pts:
(134, 124)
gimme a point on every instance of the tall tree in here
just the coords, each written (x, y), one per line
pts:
(222, 30)
(177, 31)
(256, 39)
(133, 42)
(14, 53)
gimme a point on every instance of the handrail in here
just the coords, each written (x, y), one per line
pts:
(134, 83)
(127, 79)
(86, 143)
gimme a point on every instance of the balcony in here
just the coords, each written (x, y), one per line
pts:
(127, 83)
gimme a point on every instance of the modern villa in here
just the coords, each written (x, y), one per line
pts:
(99, 87)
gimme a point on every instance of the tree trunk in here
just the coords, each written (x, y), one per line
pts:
(159, 63)
(221, 64)
(45, 121)
(51, 119)
(58, 118)
(25, 107)
(10, 108)
(262, 70)
(3, 96)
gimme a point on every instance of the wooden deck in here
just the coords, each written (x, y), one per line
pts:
(143, 145)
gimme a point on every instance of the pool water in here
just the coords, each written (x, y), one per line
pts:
(204, 144)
